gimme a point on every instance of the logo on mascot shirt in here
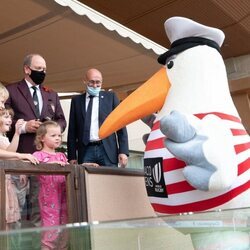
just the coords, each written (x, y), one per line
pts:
(157, 172)
(154, 177)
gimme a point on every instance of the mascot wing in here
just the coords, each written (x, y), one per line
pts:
(206, 147)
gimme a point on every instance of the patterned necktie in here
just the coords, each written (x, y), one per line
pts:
(86, 131)
(36, 102)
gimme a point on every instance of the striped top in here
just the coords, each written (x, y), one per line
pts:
(182, 197)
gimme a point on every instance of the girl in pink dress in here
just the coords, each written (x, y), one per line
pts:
(52, 188)
(12, 204)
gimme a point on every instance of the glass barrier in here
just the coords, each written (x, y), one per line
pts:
(28, 197)
(211, 230)
(33, 201)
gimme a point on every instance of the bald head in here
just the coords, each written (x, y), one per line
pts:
(27, 61)
(93, 78)
(34, 67)
(93, 74)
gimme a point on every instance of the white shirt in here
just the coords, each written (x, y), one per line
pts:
(40, 100)
(94, 125)
(39, 94)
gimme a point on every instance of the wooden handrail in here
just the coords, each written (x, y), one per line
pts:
(75, 183)
(21, 167)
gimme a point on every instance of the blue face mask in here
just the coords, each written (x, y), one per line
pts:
(93, 91)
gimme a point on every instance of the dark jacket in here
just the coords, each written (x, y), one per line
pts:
(20, 100)
(114, 144)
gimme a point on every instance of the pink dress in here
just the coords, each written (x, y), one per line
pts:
(11, 205)
(52, 198)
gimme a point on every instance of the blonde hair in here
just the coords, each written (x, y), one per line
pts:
(6, 111)
(42, 131)
(4, 92)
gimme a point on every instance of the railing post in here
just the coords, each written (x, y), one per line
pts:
(3, 238)
(2, 200)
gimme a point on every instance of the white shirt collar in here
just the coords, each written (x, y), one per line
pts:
(87, 95)
(30, 85)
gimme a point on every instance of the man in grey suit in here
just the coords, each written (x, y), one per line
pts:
(84, 145)
(34, 104)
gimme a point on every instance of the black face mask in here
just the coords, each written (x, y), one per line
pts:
(37, 76)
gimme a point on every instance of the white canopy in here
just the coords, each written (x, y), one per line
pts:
(73, 38)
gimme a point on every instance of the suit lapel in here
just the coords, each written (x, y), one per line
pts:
(83, 105)
(101, 107)
(24, 90)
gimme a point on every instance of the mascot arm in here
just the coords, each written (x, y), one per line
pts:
(205, 146)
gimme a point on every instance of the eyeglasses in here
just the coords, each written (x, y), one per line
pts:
(97, 82)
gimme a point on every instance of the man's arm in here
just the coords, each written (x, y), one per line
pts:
(122, 140)
(59, 115)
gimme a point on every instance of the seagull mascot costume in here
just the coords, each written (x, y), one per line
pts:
(197, 156)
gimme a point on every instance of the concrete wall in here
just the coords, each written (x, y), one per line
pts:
(238, 70)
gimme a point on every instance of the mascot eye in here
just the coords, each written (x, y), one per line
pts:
(170, 64)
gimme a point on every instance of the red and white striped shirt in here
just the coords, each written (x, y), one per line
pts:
(182, 197)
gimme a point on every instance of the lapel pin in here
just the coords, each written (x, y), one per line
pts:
(52, 107)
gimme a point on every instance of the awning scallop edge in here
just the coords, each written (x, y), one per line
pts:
(111, 25)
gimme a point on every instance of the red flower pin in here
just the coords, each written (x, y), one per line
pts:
(47, 89)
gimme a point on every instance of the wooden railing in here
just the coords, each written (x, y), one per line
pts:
(84, 187)
(19, 167)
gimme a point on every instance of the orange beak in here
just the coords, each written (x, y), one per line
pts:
(147, 99)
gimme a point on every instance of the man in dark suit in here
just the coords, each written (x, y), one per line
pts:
(84, 145)
(22, 102)
(34, 104)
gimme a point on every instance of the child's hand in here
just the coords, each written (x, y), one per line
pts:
(28, 157)
(90, 164)
(18, 126)
(73, 162)
(61, 163)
